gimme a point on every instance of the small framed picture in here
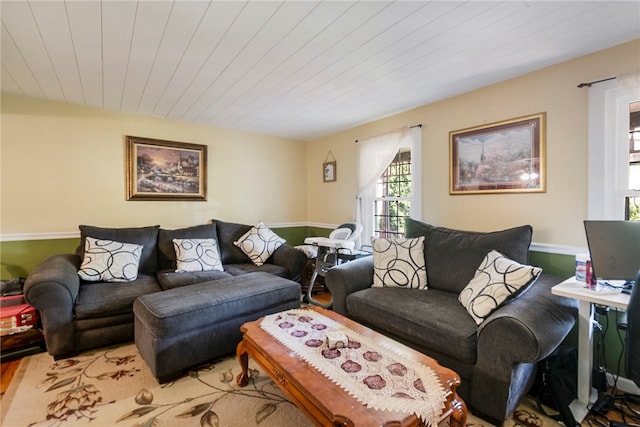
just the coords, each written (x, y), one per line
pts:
(329, 171)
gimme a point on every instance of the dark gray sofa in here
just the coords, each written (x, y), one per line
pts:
(497, 359)
(78, 315)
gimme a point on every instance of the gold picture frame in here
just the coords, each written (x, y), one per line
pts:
(502, 157)
(165, 170)
(329, 171)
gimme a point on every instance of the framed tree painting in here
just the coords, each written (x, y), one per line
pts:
(165, 170)
(502, 157)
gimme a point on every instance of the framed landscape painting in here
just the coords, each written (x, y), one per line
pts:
(502, 157)
(165, 170)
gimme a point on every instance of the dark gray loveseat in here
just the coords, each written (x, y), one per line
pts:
(78, 315)
(496, 359)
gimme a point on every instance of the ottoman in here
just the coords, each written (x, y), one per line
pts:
(183, 327)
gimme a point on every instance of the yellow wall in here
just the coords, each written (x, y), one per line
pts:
(64, 165)
(555, 215)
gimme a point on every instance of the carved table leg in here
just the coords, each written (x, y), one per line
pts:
(458, 412)
(243, 359)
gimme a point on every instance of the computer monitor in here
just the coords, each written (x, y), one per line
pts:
(615, 249)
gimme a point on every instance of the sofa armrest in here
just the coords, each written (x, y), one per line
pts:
(52, 288)
(518, 335)
(292, 259)
(347, 278)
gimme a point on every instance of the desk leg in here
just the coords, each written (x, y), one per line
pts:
(585, 361)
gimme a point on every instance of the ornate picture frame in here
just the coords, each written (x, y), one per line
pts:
(165, 170)
(502, 157)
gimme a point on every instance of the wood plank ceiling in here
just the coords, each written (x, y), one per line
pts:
(295, 69)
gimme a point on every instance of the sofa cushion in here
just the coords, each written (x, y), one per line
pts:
(166, 251)
(229, 232)
(197, 255)
(452, 256)
(431, 319)
(169, 279)
(145, 236)
(109, 261)
(399, 263)
(175, 311)
(259, 243)
(497, 279)
(238, 269)
(103, 299)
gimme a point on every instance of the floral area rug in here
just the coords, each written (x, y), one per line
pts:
(113, 387)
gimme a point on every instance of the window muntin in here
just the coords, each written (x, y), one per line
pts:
(392, 202)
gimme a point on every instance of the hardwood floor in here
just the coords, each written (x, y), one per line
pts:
(322, 297)
(13, 348)
(7, 371)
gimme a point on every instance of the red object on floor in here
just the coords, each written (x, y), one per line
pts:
(16, 313)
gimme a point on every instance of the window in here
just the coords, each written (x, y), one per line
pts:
(632, 203)
(389, 182)
(392, 203)
(614, 163)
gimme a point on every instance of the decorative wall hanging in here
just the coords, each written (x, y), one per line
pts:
(329, 168)
(501, 157)
(165, 170)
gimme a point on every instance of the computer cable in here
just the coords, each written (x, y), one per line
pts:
(622, 402)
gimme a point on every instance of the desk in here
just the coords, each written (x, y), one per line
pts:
(572, 288)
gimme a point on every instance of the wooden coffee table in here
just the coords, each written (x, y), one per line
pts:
(319, 398)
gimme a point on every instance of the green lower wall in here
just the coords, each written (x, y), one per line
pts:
(17, 259)
(293, 235)
(560, 265)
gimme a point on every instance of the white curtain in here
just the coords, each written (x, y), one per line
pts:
(630, 82)
(374, 155)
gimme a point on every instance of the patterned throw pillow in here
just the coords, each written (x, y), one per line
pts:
(497, 279)
(197, 255)
(399, 263)
(259, 243)
(109, 261)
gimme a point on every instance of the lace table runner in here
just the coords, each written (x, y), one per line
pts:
(377, 376)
